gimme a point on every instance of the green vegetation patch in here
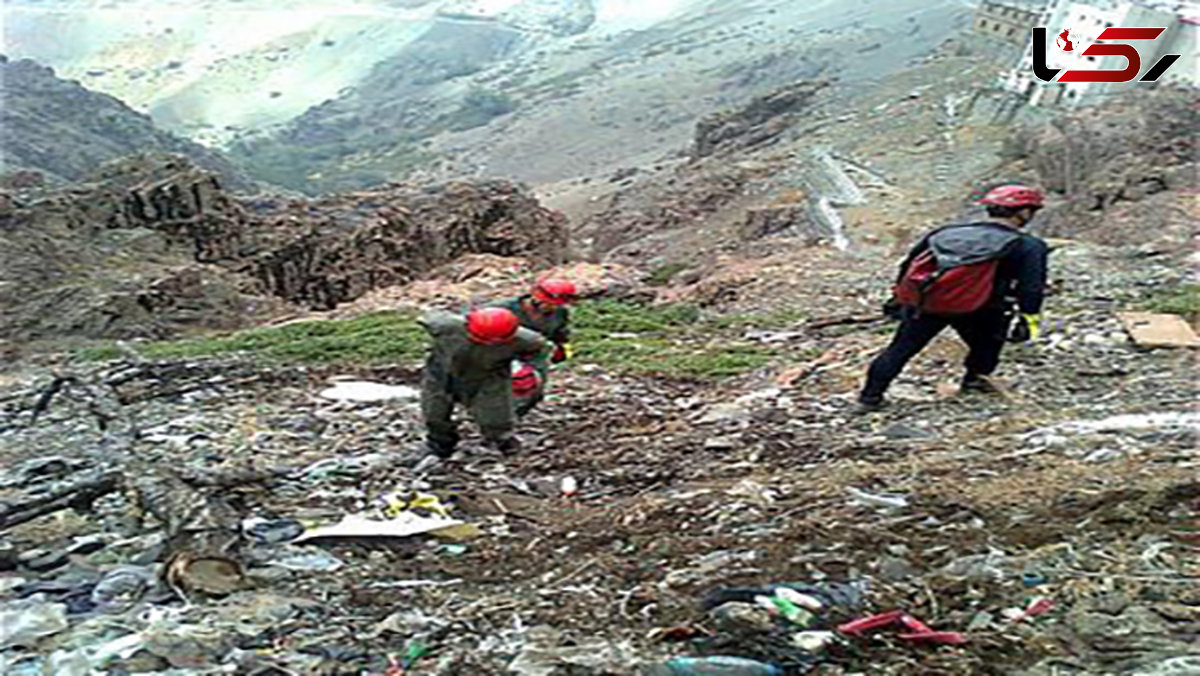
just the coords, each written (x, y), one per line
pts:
(670, 340)
(378, 338)
(663, 274)
(1182, 300)
(479, 107)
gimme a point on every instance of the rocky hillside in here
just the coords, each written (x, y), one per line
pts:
(217, 68)
(148, 247)
(320, 97)
(486, 99)
(66, 131)
(162, 501)
(711, 439)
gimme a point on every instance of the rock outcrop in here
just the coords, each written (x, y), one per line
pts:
(761, 121)
(152, 245)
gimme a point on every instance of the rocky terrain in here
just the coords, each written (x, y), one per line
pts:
(151, 246)
(1072, 496)
(162, 495)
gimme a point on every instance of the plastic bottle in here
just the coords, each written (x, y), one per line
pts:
(570, 487)
(805, 601)
(719, 666)
(790, 611)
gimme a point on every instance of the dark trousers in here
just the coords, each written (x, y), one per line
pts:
(983, 331)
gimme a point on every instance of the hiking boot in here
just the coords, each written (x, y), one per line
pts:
(870, 404)
(978, 384)
(428, 454)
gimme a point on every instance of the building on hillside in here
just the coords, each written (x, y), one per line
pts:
(1080, 22)
(1009, 21)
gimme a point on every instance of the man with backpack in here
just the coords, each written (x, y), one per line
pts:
(968, 276)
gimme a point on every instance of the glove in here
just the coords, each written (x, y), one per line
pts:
(525, 380)
(1026, 329)
(892, 309)
(562, 352)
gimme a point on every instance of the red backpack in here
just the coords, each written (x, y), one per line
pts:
(957, 274)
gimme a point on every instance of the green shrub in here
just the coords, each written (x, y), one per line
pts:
(669, 340)
(1183, 300)
(384, 337)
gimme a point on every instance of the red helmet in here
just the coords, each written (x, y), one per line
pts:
(1014, 196)
(525, 380)
(555, 291)
(492, 326)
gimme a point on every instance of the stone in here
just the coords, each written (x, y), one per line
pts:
(903, 431)
(896, 569)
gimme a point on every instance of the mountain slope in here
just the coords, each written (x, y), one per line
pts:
(60, 128)
(213, 69)
(542, 110)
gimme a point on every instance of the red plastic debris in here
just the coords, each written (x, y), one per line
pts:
(1037, 607)
(918, 631)
(395, 668)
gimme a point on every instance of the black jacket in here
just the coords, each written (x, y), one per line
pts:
(1021, 274)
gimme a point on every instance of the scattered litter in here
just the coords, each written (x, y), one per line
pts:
(405, 524)
(1159, 330)
(305, 559)
(543, 656)
(1037, 606)
(462, 531)
(366, 392)
(398, 666)
(876, 500)
(1033, 579)
(392, 505)
(715, 666)
(917, 630)
(980, 621)
(408, 621)
(272, 531)
(813, 641)
(1166, 420)
(720, 443)
(121, 588)
(570, 487)
(23, 623)
(216, 575)
(778, 603)
(829, 595)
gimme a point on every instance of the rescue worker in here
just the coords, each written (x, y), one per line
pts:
(470, 363)
(543, 309)
(1019, 277)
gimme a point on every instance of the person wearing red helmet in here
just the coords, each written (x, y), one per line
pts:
(470, 363)
(544, 309)
(969, 277)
